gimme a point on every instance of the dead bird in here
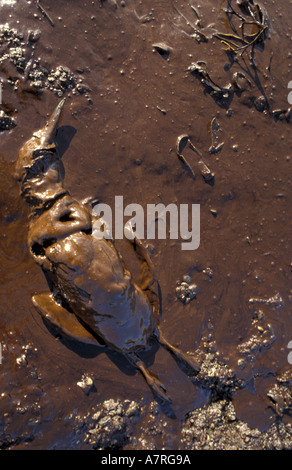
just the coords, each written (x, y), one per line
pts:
(92, 297)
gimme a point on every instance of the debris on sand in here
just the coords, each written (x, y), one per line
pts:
(86, 383)
(195, 27)
(216, 377)
(247, 29)
(109, 426)
(28, 69)
(274, 301)
(181, 142)
(282, 114)
(6, 122)
(222, 94)
(216, 427)
(215, 129)
(260, 337)
(185, 292)
(281, 393)
(44, 12)
(162, 49)
(206, 173)
(184, 141)
(252, 30)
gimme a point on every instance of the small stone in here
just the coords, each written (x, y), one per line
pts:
(186, 292)
(6, 122)
(162, 48)
(21, 360)
(86, 384)
(240, 363)
(209, 272)
(213, 212)
(260, 315)
(260, 103)
(34, 36)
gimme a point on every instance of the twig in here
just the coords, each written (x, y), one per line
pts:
(45, 13)
(196, 12)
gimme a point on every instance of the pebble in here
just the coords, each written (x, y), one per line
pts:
(185, 291)
(86, 383)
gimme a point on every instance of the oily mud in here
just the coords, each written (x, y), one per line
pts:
(137, 77)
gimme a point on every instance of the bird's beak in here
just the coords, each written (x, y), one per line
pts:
(49, 132)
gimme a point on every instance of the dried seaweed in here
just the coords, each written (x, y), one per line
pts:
(248, 25)
(242, 40)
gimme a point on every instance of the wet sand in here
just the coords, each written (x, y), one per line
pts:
(118, 137)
